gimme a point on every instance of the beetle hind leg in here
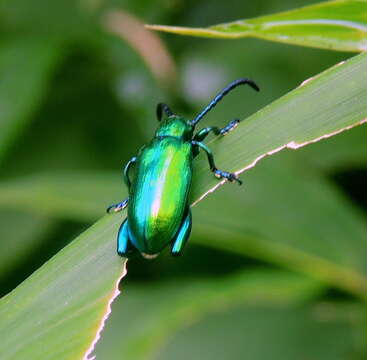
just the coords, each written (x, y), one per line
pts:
(124, 246)
(182, 235)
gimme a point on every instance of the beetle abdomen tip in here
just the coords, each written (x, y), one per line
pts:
(149, 256)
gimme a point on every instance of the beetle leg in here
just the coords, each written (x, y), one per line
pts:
(203, 133)
(118, 207)
(229, 127)
(126, 171)
(124, 245)
(220, 174)
(122, 205)
(182, 235)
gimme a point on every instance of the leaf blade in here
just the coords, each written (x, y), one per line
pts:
(55, 296)
(23, 84)
(336, 25)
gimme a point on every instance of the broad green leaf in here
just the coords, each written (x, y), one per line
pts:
(79, 283)
(25, 68)
(156, 312)
(59, 310)
(336, 25)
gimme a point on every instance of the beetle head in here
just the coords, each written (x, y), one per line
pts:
(171, 124)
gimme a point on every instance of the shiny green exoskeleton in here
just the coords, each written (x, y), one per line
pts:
(159, 213)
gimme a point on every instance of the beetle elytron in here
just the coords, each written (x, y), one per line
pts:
(158, 212)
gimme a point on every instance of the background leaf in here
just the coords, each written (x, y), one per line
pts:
(337, 25)
(286, 330)
(31, 232)
(25, 68)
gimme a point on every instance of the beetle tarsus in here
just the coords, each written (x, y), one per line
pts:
(117, 207)
(220, 174)
(203, 133)
(229, 127)
(231, 177)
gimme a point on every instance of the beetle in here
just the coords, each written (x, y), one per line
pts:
(158, 210)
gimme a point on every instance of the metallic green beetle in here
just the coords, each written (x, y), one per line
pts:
(158, 212)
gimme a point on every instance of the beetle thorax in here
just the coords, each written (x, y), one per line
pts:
(175, 126)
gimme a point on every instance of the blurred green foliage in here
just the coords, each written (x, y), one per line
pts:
(76, 99)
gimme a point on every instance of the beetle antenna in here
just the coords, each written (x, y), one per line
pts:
(163, 108)
(220, 96)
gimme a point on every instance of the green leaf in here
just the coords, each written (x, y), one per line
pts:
(70, 295)
(337, 25)
(156, 312)
(64, 304)
(23, 83)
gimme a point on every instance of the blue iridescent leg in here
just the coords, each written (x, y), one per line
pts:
(122, 205)
(220, 174)
(118, 207)
(124, 245)
(203, 133)
(182, 235)
(127, 169)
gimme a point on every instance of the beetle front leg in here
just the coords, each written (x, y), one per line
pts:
(122, 205)
(126, 171)
(203, 133)
(220, 174)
